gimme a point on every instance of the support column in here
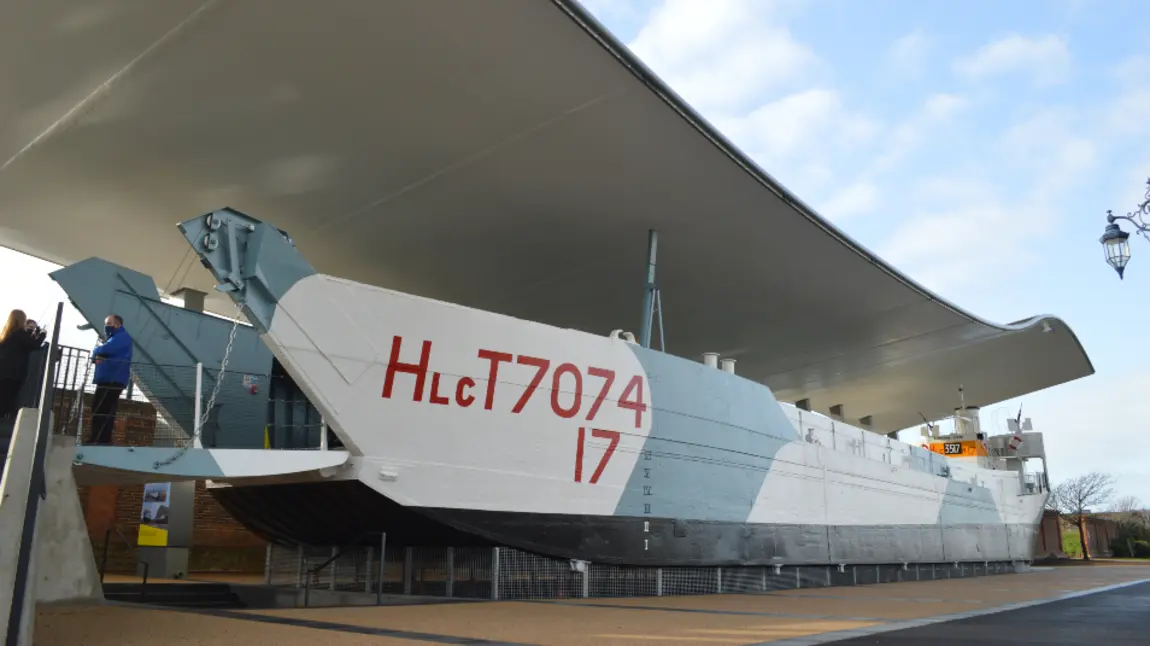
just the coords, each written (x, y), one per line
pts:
(450, 572)
(166, 546)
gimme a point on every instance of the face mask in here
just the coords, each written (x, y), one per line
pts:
(108, 330)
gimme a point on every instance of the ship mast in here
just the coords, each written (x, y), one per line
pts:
(652, 298)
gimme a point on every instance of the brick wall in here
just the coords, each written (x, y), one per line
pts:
(219, 542)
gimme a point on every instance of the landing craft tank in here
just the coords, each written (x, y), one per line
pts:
(592, 447)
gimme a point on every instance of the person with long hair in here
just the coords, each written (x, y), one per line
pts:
(18, 340)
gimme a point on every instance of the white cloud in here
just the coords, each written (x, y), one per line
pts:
(907, 55)
(904, 138)
(793, 124)
(1050, 147)
(855, 199)
(617, 12)
(946, 249)
(1045, 60)
(1133, 72)
(722, 54)
(800, 138)
(1117, 430)
(1129, 113)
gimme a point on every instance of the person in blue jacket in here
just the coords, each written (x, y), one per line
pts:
(113, 359)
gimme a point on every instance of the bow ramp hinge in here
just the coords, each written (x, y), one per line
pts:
(233, 281)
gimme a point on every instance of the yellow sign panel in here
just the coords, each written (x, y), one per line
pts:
(967, 449)
(152, 536)
(154, 514)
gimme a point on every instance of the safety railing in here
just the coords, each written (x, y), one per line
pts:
(187, 405)
(311, 575)
(132, 549)
(1034, 483)
(504, 573)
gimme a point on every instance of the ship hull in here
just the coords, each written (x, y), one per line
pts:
(350, 512)
(591, 447)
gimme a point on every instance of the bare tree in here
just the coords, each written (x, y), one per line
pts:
(1074, 498)
(1127, 505)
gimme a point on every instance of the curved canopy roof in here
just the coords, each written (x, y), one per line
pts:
(508, 155)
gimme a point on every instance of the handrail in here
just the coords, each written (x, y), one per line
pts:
(104, 559)
(308, 574)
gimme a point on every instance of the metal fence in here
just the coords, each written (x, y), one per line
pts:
(172, 405)
(510, 574)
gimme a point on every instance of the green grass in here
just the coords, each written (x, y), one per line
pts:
(1072, 544)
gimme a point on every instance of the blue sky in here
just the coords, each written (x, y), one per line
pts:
(976, 145)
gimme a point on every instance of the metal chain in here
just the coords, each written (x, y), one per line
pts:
(215, 391)
(223, 367)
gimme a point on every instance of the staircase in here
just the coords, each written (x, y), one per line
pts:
(175, 595)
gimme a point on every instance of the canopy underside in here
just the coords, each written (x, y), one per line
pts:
(508, 155)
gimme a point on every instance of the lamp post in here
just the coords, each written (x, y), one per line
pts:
(1115, 241)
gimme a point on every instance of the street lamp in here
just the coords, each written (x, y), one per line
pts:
(1114, 240)
(1116, 246)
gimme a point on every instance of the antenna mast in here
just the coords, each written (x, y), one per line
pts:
(652, 298)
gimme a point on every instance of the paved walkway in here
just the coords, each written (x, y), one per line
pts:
(902, 614)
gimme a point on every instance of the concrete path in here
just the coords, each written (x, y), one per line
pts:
(989, 610)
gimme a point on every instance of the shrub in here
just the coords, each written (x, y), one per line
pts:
(1121, 548)
(1141, 549)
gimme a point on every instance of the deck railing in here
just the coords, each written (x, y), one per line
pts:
(168, 405)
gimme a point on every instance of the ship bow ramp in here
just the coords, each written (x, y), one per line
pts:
(168, 342)
(99, 465)
(255, 263)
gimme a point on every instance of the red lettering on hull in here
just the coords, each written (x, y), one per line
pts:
(608, 377)
(595, 432)
(417, 369)
(564, 375)
(540, 366)
(436, 398)
(495, 358)
(556, 407)
(462, 399)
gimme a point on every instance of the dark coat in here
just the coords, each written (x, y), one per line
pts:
(14, 353)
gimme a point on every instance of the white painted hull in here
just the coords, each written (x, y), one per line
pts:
(711, 471)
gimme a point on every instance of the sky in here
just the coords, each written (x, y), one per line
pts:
(975, 145)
